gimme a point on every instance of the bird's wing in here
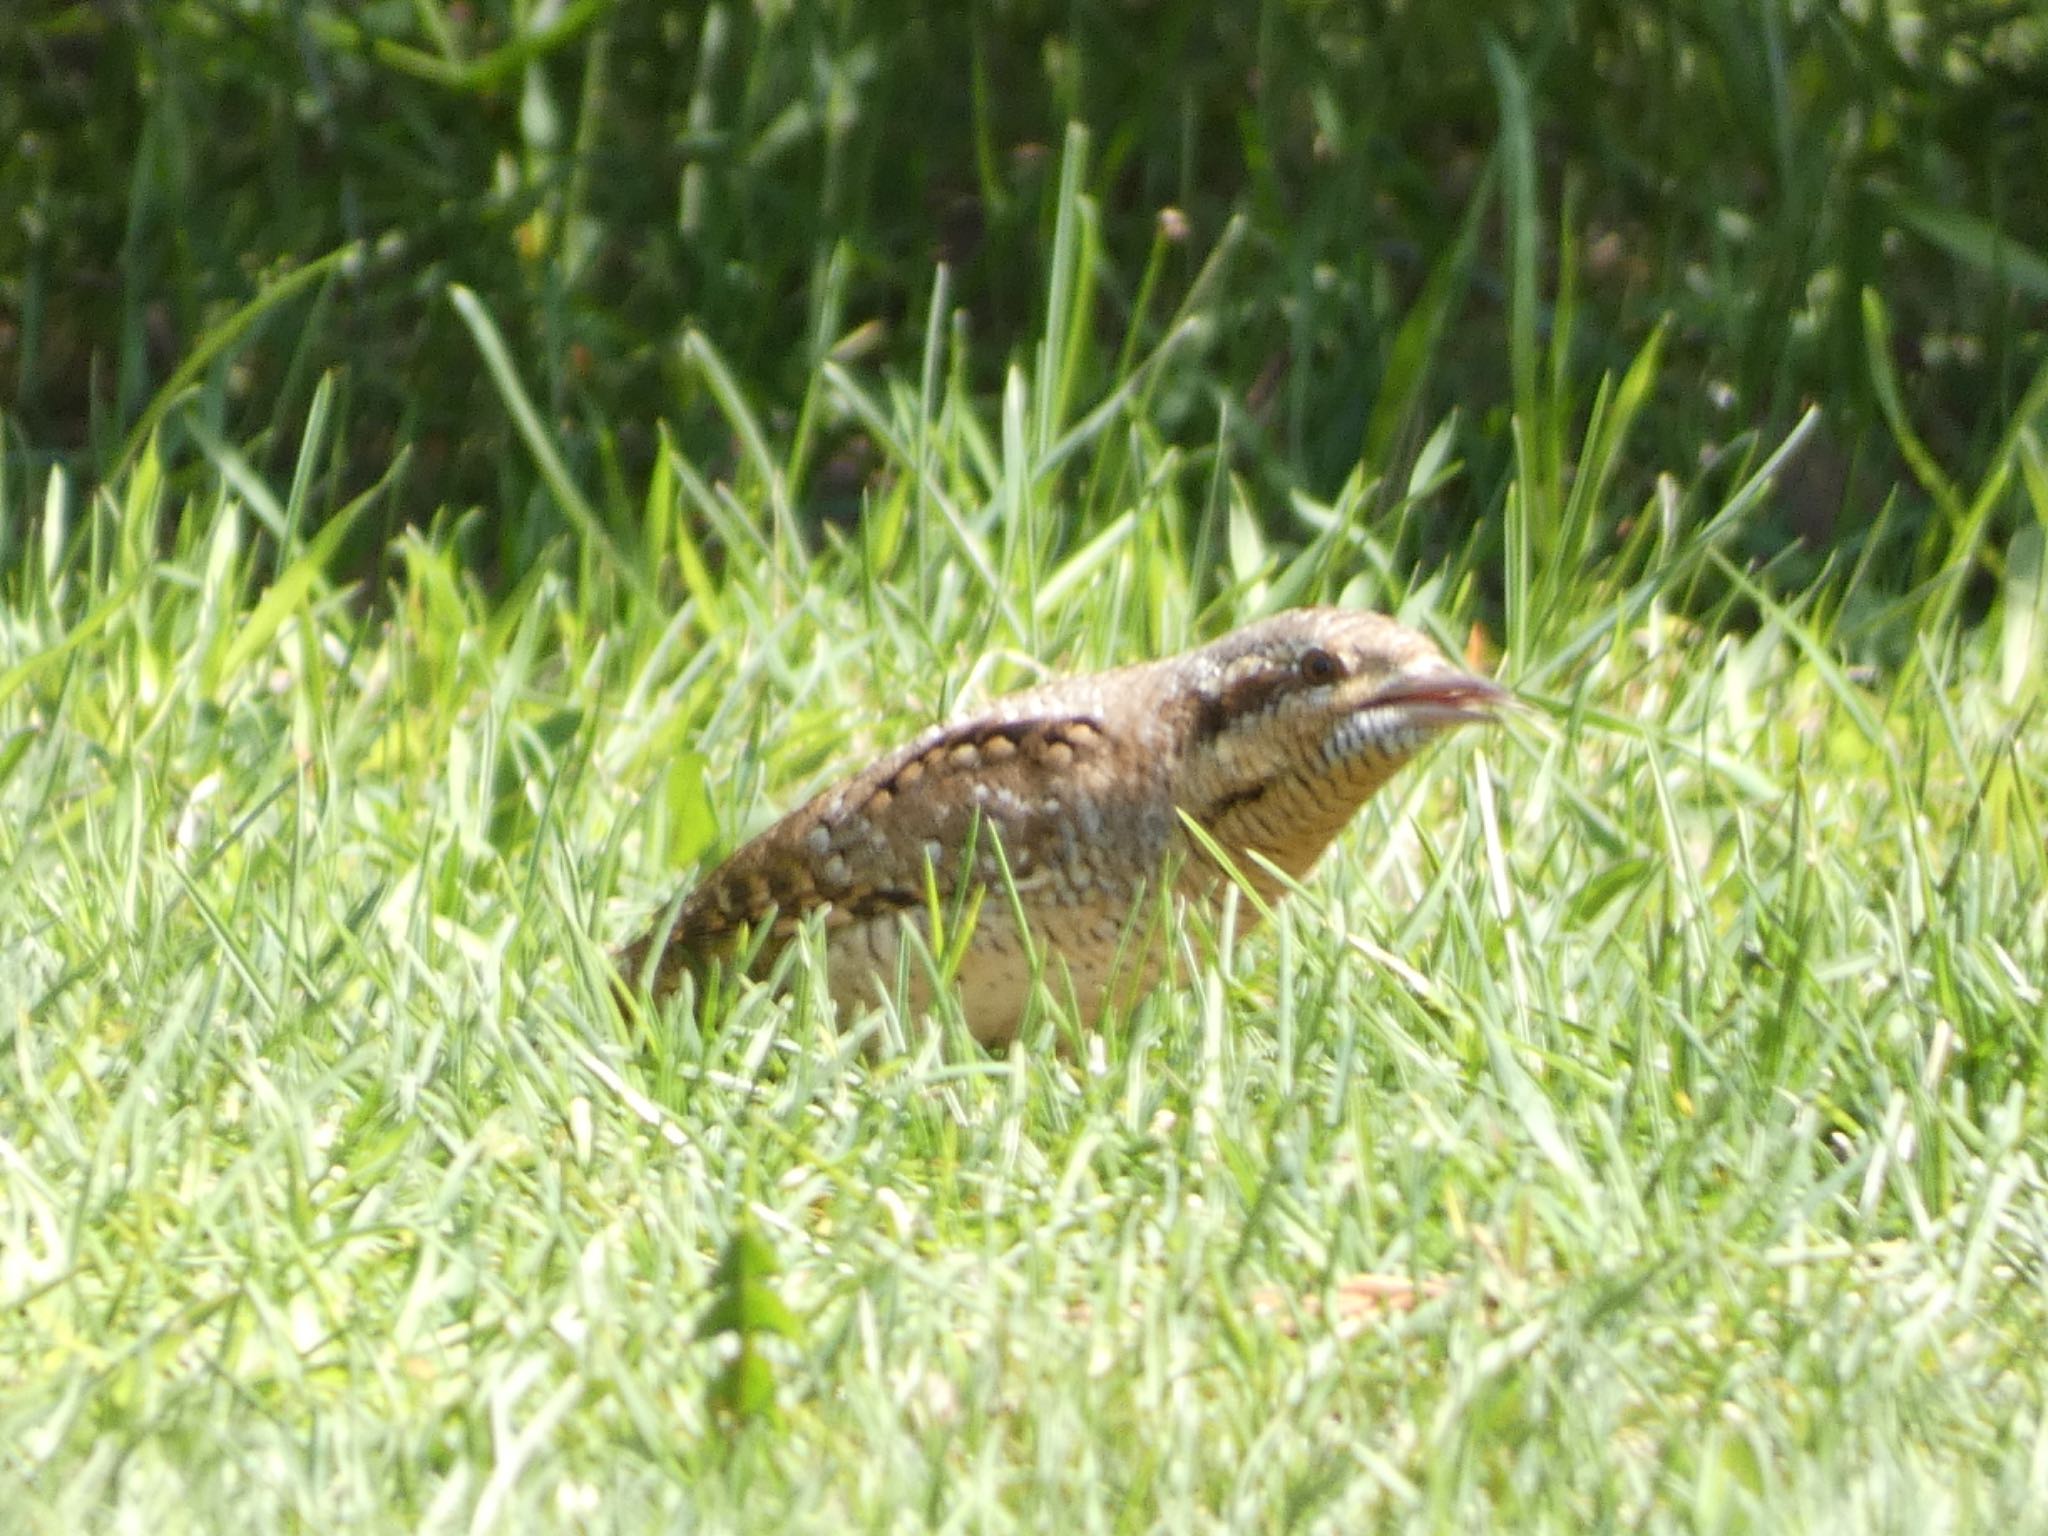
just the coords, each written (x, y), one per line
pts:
(862, 848)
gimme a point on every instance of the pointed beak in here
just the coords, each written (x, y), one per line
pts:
(1438, 700)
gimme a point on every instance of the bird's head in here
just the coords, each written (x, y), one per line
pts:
(1297, 720)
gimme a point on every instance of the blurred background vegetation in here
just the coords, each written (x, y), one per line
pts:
(784, 181)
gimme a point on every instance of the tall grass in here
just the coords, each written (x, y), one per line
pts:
(1634, 1123)
(626, 188)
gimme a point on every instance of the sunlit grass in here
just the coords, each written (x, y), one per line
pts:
(1672, 1055)
(1635, 1122)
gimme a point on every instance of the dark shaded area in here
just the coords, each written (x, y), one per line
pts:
(643, 169)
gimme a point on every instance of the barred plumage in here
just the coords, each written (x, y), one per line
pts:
(1269, 739)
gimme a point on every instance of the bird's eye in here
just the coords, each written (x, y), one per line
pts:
(1319, 666)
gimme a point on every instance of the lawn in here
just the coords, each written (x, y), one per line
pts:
(1636, 1122)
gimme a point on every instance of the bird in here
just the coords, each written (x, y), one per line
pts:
(1046, 819)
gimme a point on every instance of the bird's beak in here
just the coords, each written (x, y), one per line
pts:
(1436, 700)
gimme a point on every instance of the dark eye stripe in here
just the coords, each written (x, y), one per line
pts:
(1256, 694)
(1242, 697)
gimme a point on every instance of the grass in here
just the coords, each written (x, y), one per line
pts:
(1634, 1124)
(780, 179)
(1676, 1050)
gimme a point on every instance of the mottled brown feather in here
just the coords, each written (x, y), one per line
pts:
(1083, 783)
